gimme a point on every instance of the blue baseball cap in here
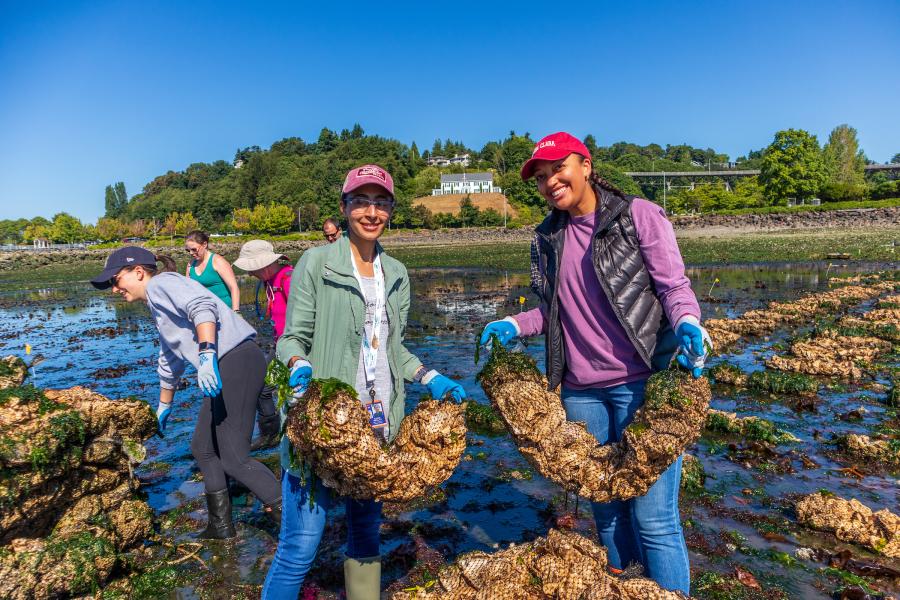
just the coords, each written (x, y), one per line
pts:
(129, 256)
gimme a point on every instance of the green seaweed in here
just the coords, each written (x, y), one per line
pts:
(505, 361)
(11, 367)
(663, 388)
(733, 371)
(751, 428)
(693, 477)
(484, 418)
(330, 387)
(81, 551)
(29, 393)
(781, 382)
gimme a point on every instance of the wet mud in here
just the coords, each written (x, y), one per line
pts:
(739, 495)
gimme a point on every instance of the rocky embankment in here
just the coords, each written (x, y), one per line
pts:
(831, 219)
(693, 225)
(68, 505)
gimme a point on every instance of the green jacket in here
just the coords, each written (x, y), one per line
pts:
(324, 321)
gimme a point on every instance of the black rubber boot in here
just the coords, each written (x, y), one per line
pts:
(268, 420)
(220, 526)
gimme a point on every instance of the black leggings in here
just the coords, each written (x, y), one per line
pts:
(221, 442)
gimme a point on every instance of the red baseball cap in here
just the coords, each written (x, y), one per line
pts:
(360, 176)
(554, 147)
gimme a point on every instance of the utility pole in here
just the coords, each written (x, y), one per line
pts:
(664, 193)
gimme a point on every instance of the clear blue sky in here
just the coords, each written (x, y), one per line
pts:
(96, 92)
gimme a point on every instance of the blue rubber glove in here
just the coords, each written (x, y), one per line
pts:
(439, 386)
(694, 345)
(208, 377)
(505, 330)
(301, 373)
(162, 416)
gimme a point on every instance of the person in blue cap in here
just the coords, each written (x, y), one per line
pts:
(196, 327)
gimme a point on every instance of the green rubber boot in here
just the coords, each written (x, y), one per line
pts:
(362, 578)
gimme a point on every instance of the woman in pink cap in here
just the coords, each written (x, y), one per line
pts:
(615, 306)
(346, 317)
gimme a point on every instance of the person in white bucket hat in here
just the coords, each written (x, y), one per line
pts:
(258, 258)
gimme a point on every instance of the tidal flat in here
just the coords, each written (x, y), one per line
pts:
(738, 517)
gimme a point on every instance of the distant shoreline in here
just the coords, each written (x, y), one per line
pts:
(686, 227)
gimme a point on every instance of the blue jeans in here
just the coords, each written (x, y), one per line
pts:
(302, 525)
(647, 529)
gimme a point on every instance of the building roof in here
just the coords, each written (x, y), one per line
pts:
(454, 177)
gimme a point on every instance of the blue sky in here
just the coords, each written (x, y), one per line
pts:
(97, 92)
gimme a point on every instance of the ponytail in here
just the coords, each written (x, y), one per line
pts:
(168, 263)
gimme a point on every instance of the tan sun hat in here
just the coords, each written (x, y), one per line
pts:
(257, 254)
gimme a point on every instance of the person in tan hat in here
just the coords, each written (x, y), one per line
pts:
(258, 258)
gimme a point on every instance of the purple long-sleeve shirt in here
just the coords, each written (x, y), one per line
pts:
(598, 350)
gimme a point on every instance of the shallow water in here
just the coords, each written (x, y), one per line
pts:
(80, 333)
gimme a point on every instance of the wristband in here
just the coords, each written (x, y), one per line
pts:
(419, 374)
(429, 376)
(207, 346)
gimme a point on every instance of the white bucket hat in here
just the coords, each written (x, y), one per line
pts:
(257, 254)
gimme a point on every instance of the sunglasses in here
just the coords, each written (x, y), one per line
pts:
(331, 236)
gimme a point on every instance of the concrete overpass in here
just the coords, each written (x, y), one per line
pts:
(667, 176)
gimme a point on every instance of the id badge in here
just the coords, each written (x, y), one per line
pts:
(377, 418)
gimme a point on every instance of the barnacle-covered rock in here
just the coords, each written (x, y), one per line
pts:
(330, 429)
(12, 372)
(67, 503)
(750, 427)
(563, 565)
(864, 448)
(824, 365)
(673, 414)
(852, 521)
(725, 332)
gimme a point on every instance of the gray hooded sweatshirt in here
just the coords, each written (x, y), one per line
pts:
(178, 305)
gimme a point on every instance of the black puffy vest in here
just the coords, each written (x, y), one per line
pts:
(619, 265)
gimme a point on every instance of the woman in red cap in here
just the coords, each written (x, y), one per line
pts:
(615, 306)
(346, 317)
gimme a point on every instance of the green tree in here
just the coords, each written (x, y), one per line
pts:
(279, 219)
(240, 220)
(844, 161)
(327, 141)
(309, 216)
(426, 180)
(590, 143)
(116, 200)
(792, 166)
(38, 228)
(109, 229)
(896, 158)
(66, 229)
(468, 212)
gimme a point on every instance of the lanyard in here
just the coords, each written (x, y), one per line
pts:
(370, 341)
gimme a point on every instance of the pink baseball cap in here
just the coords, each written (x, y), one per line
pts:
(360, 176)
(554, 147)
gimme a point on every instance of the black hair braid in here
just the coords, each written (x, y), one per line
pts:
(604, 184)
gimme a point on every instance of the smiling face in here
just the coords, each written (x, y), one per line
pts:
(131, 283)
(330, 232)
(367, 209)
(196, 251)
(564, 184)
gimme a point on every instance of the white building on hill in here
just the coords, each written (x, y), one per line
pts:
(443, 161)
(466, 183)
